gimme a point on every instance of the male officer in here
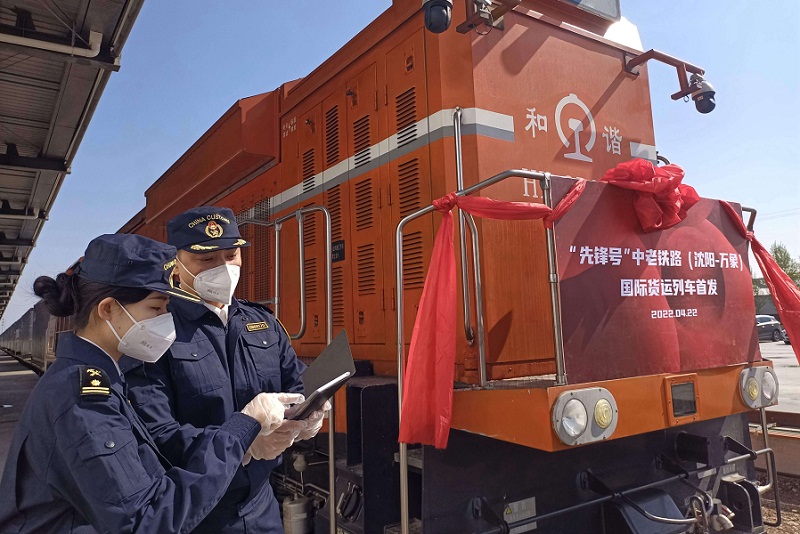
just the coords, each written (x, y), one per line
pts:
(226, 352)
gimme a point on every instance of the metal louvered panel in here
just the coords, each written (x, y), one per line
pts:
(337, 283)
(406, 116)
(365, 260)
(408, 185)
(361, 141)
(332, 136)
(261, 253)
(364, 197)
(310, 228)
(309, 170)
(413, 264)
(310, 269)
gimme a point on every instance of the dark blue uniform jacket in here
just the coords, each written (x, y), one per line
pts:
(211, 371)
(83, 462)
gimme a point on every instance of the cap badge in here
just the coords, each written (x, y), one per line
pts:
(213, 230)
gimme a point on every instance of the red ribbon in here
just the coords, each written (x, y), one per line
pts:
(428, 382)
(783, 290)
(661, 199)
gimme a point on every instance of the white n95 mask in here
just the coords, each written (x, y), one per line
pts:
(217, 284)
(146, 340)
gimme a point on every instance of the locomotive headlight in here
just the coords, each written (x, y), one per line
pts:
(752, 388)
(584, 415)
(574, 418)
(603, 413)
(758, 387)
(769, 387)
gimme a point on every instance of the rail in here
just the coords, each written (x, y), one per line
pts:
(277, 224)
(561, 378)
(752, 220)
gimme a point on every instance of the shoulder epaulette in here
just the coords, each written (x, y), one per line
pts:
(94, 382)
(256, 305)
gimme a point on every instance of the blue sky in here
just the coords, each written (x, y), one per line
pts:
(187, 62)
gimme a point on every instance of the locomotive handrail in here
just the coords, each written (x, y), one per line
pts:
(555, 302)
(461, 231)
(752, 220)
(300, 215)
(278, 224)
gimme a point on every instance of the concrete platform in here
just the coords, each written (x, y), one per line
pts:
(787, 368)
(16, 383)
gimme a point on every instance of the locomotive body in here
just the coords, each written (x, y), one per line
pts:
(401, 116)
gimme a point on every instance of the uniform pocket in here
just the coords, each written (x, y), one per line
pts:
(110, 465)
(264, 351)
(196, 369)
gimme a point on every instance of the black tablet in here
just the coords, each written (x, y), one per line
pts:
(317, 399)
(326, 374)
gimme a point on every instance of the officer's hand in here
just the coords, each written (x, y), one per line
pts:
(270, 446)
(314, 423)
(268, 408)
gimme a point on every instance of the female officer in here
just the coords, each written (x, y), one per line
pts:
(81, 460)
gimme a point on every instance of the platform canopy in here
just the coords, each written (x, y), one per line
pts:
(56, 57)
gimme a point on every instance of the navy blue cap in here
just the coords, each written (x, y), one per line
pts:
(205, 229)
(130, 260)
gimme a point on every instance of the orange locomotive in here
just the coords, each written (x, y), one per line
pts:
(412, 109)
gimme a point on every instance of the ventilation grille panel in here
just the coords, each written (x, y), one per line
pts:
(332, 136)
(309, 170)
(362, 141)
(409, 187)
(413, 265)
(406, 117)
(364, 196)
(310, 270)
(365, 255)
(337, 286)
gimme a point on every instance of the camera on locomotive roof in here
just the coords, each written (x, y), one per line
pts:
(437, 14)
(703, 95)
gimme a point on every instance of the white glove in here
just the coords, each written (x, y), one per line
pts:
(268, 408)
(268, 446)
(314, 423)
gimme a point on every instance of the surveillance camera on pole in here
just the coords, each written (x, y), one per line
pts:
(703, 95)
(437, 14)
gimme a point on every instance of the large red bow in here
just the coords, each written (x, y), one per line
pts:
(661, 199)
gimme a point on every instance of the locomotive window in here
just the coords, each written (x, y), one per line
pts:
(608, 9)
(683, 399)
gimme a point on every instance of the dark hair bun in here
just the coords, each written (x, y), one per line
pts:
(58, 295)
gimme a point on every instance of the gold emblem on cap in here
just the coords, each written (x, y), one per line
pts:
(240, 242)
(203, 247)
(213, 230)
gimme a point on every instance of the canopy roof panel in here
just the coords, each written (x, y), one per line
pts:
(55, 60)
